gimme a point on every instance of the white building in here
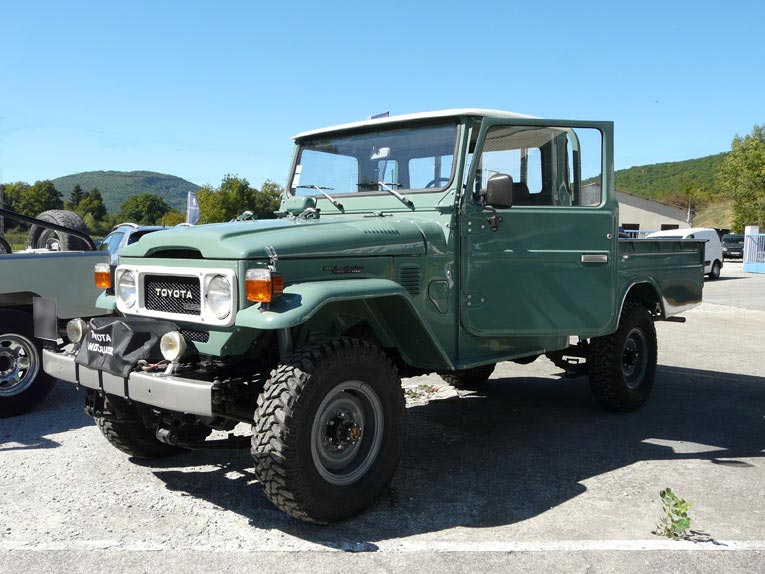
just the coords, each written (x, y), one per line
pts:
(638, 213)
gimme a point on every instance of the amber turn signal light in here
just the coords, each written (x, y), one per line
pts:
(262, 285)
(103, 276)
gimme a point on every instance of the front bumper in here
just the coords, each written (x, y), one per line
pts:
(162, 391)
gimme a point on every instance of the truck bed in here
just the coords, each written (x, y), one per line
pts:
(66, 276)
(674, 267)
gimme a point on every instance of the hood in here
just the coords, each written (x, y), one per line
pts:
(294, 239)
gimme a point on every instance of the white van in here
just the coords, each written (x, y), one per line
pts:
(713, 256)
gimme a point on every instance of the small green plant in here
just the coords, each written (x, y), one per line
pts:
(675, 521)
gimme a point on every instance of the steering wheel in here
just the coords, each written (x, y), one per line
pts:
(437, 181)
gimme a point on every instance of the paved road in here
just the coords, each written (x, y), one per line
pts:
(748, 293)
(528, 474)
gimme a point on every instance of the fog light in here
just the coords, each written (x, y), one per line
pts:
(172, 346)
(76, 330)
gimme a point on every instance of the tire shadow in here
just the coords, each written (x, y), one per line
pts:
(511, 452)
(62, 410)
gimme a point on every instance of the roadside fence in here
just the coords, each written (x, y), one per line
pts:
(754, 253)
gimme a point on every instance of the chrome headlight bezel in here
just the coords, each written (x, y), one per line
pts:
(219, 296)
(127, 288)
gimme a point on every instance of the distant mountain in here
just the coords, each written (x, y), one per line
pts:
(117, 186)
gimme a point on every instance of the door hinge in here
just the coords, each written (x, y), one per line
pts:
(476, 225)
(473, 299)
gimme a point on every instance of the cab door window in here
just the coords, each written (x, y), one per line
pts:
(550, 166)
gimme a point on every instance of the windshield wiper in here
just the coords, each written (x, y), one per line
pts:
(408, 202)
(320, 189)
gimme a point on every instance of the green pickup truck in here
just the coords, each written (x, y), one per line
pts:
(440, 242)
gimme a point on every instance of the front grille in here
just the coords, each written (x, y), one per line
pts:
(195, 336)
(172, 294)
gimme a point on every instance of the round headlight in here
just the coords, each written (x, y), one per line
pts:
(219, 296)
(172, 345)
(127, 290)
(76, 329)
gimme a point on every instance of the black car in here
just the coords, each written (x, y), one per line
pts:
(733, 246)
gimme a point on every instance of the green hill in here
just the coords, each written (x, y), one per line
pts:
(117, 186)
(667, 181)
(662, 180)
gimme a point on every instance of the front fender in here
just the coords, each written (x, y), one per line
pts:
(301, 301)
(106, 302)
(389, 306)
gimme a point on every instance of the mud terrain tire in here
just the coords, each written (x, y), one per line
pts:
(622, 365)
(39, 236)
(125, 431)
(329, 430)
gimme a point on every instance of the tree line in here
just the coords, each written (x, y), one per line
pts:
(742, 176)
(222, 203)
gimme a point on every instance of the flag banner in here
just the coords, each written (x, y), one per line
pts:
(192, 208)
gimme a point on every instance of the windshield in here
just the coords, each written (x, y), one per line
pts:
(413, 158)
(733, 240)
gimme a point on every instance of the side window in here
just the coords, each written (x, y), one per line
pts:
(548, 164)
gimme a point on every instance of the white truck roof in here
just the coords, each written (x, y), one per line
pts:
(417, 116)
(681, 232)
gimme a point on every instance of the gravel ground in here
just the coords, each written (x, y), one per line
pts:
(526, 473)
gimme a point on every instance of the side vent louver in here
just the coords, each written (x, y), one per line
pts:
(409, 276)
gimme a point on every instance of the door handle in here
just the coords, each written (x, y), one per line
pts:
(594, 258)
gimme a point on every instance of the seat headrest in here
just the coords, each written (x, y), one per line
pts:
(521, 193)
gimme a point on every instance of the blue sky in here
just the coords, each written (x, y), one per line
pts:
(201, 89)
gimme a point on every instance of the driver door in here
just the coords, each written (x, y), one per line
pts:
(549, 267)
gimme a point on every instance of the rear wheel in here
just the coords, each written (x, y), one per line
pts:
(714, 273)
(622, 365)
(23, 383)
(329, 430)
(468, 379)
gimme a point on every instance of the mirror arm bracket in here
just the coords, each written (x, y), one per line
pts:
(495, 219)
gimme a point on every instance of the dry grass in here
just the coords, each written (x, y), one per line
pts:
(715, 215)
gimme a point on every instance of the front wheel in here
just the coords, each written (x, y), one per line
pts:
(622, 365)
(329, 430)
(23, 383)
(122, 426)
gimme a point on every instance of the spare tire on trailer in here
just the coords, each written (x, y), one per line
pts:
(41, 237)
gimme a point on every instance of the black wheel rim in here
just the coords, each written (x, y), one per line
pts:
(635, 358)
(347, 432)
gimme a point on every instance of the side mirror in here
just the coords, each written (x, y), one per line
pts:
(499, 191)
